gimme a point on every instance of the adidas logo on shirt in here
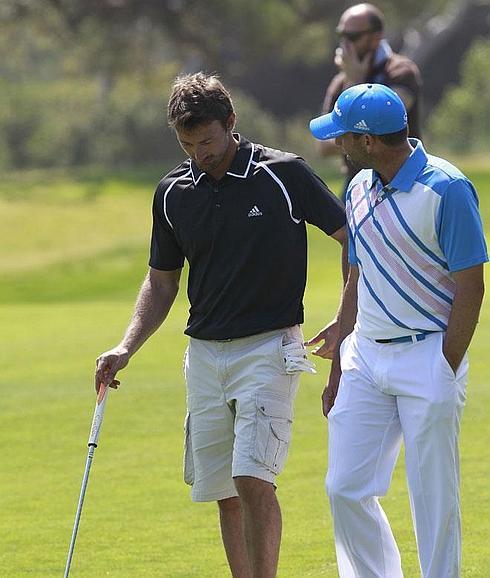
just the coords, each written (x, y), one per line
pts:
(255, 212)
(361, 125)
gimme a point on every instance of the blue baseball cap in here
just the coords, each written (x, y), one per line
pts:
(364, 109)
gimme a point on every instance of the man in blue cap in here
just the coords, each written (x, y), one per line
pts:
(410, 307)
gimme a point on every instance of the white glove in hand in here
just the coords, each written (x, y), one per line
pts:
(296, 359)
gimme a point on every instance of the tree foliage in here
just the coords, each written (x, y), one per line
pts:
(461, 121)
(87, 81)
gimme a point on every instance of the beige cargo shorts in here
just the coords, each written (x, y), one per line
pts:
(240, 396)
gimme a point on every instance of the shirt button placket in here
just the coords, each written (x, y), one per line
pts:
(218, 204)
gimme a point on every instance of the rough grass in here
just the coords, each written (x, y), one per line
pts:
(71, 265)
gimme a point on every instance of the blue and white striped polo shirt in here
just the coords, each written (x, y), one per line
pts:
(407, 238)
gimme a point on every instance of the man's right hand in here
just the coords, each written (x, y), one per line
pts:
(107, 366)
(330, 392)
(329, 335)
(356, 69)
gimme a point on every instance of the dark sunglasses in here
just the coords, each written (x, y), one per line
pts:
(353, 36)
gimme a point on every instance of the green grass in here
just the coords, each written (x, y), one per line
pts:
(71, 263)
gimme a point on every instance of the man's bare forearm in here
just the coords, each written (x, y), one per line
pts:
(348, 312)
(153, 304)
(464, 314)
(329, 333)
(154, 301)
(347, 319)
(344, 264)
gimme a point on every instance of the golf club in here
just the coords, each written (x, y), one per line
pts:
(92, 444)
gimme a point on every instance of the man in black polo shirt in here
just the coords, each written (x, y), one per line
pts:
(236, 211)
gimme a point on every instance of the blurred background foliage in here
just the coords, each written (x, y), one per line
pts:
(461, 120)
(84, 83)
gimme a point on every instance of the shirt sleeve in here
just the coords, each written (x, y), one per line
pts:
(332, 93)
(313, 201)
(404, 73)
(165, 253)
(459, 227)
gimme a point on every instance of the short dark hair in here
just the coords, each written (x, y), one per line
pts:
(394, 139)
(197, 99)
(375, 18)
(376, 24)
(391, 139)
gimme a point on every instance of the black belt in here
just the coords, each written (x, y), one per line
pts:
(406, 338)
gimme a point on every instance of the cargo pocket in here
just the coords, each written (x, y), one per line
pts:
(272, 431)
(188, 459)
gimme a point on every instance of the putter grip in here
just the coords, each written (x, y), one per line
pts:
(98, 415)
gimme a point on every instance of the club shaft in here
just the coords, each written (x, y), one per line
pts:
(92, 444)
(88, 464)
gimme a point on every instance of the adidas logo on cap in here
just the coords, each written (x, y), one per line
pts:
(361, 125)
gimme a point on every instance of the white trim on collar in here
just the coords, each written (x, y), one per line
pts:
(198, 178)
(245, 174)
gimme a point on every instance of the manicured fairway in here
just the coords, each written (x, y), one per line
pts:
(72, 254)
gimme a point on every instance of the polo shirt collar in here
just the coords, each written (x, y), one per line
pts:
(242, 162)
(240, 166)
(383, 52)
(405, 178)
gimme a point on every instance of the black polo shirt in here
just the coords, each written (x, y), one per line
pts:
(244, 238)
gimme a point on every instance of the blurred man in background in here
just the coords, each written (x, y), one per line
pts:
(363, 56)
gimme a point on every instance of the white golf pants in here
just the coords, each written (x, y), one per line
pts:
(389, 392)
